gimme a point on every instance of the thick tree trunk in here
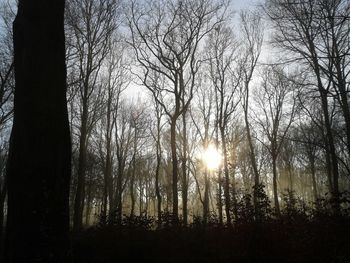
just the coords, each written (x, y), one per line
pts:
(313, 176)
(274, 182)
(103, 215)
(3, 194)
(119, 193)
(132, 179)
(132, 192)
(330, 147)
(251, 152)
(227, 180)
(174, 170)
(342, 85)
(39, 161)
(109, 158)
(206, 197)
(88, 204)
(80, 192)
(108, 184)
(221, 220)
(159, 197)
(184, 171)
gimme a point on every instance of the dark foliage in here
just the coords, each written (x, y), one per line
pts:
(212, 222)
(274, 241)
(300, 234)
(248, 212)
(323, 207)
(295, 208)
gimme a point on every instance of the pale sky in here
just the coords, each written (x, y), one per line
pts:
(239, 4)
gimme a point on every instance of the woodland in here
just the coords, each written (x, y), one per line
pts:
(174, 131)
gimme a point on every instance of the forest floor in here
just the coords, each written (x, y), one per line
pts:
(323, 241)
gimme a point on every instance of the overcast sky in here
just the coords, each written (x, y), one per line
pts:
(239, 4)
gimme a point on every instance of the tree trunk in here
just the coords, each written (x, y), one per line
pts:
(275, 189)
(227, 179)
(206, 197)
(109, 158)
(251, 153)
(159, 197)
(80, 192)
(342, 85)
(330, 147)
(313, 176)
(184, 171)
(118, 194)
(3, 194)
(39, 164)
(221, 221)
(174, 170)
(132, 179)
(88, 204)
(132, 192)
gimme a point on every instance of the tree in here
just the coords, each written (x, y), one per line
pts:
(6, 97)
(298, 29)
(165, 36)
(202, 119)
(222, 55)
(252, 35)
(114, 81)
(277, 103)
(6, 66)
(90, 25)
(123, 140)
(157, 138)
(38, 168)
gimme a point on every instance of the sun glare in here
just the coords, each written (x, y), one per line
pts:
(211, 157)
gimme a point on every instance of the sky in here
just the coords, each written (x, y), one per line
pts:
(245, 4)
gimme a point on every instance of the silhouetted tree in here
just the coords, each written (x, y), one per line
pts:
(90, 25)
(222, 57)
(300, 29)
(6, 96)
(39, 159)
(166, 37)
(252, 35)
(277, 104)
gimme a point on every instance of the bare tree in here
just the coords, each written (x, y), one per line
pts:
(6, 64)
(222, 58)
(115, 80)
(277, 103)
(202, 119)
(6, 96)
(166, 36)
(298, 30)
(123, 140)
(157, 138)
(90, 25)
(252, 35)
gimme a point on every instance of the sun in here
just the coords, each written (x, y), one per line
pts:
(211, 157)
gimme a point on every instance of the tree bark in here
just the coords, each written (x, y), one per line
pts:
(275, 188)
(119, 192)
(3, 194)
(80, 192)
(184, 171)
(39, 164)
(313, 176)
(227, 179)
(206, 197)
(174, 170)
(159, 157)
